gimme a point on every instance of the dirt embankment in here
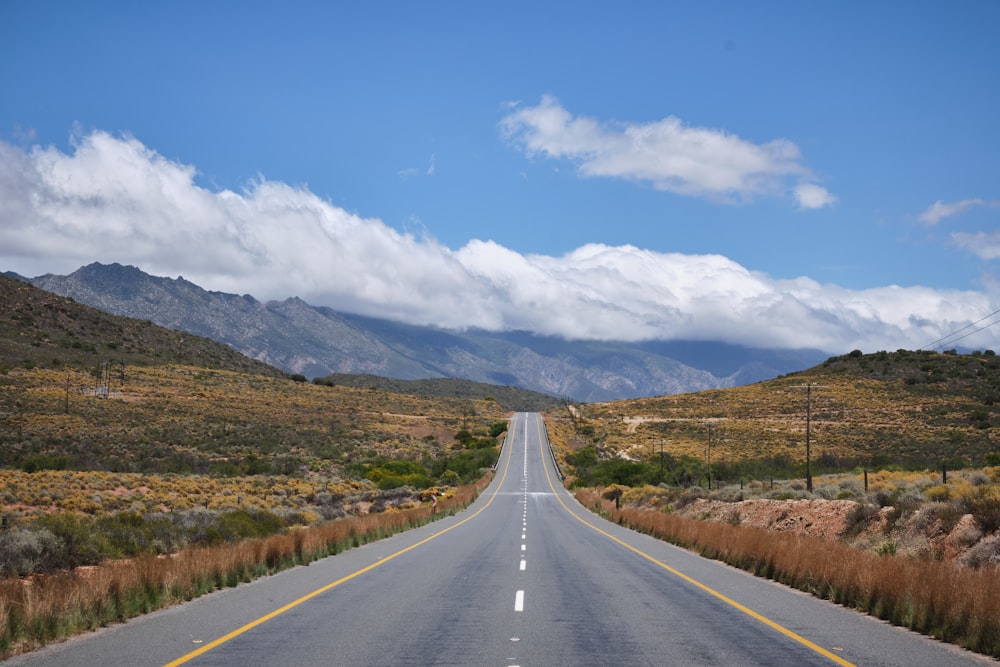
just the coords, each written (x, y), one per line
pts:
(921, 533)
(818, 518)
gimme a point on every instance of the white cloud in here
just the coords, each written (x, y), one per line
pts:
(413, 171)
(672, 156)
(984, 245)
(810, 195)
(938, 211)
(112, 199)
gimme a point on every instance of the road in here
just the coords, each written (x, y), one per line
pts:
(525, 576)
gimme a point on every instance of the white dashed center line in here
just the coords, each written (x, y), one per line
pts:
(519, 596)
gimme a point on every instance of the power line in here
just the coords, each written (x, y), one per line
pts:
(972, 332)
(940, 341)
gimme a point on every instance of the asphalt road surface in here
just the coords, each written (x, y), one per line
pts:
(525, 576)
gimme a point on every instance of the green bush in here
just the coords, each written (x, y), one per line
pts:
(24, 551)
(128, 534)
(77, 542)
(36, 462)
(242, 524)
(986, 511)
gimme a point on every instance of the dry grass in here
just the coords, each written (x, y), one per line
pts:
(907, 408)
(177, 438)
(97, 492)
(186, 419)
(952, 604)
(44, 608)
(926, 548)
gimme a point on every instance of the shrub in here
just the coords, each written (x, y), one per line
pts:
(203, 526)
(24, 551)
(242, 524)
(986, 553)
(77, 542)
(948, 514)
(977, 477)
(986, 511)
(36, 462)
(129, 534)
(887, 548)
(689, 496)
(859, 518)
(938, 493)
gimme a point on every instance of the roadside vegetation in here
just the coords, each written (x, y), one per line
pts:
(182, 455)
(185, 479)
(46, 608)
(957, 605)
(140, 466)
(903, 518)
(898, 410)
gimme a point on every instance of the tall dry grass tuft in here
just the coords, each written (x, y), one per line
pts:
(935, 598)
(43, 608)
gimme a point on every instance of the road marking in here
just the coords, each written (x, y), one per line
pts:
(519, 601)
(323, 589)
(523, 565)
(694, 582)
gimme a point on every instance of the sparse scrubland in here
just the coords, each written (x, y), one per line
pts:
(903, 516)
(178, 454)
(49, 607)
(185, 479)
(140, 467)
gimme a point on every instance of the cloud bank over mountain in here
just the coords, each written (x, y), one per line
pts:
(113, 199)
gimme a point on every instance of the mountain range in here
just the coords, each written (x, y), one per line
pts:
(317, 341)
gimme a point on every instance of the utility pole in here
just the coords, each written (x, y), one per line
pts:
(708, 456)
(808, 388)
(661, 462)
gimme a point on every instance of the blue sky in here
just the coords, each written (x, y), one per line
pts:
(767, 173)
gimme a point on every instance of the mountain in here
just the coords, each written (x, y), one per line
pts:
(318, 341)
(38, 328)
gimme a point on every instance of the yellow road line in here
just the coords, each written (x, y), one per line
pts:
(277, 612)
(694, 582)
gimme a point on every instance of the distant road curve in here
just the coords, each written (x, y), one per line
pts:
(526, 577)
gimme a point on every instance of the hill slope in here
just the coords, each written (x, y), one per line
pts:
(190, 404)
(317, 341)
(912, 409)
(38, 328)
(510, 398)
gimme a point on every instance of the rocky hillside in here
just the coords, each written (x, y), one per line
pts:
(38, 328)
(316, 341)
